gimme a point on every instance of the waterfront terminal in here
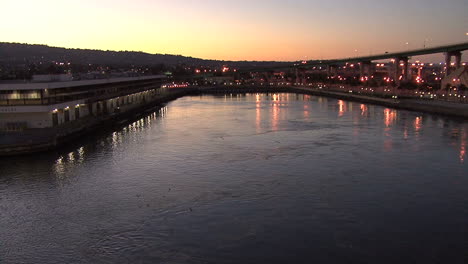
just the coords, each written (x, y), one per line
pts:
(39, 116)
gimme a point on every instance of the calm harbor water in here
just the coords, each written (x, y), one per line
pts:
(278, 178)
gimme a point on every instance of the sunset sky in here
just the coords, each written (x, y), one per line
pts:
(237, 30)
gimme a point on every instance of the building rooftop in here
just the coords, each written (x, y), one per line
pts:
(57, 85)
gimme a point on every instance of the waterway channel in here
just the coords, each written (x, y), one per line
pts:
(256, 178)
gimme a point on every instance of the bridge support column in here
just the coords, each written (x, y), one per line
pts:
(269, 77)
(297, 76)
(366, 68)
(370, 69)
(448, 64)
(397, 70)
(331, 70)
(303, 76)
(458, 58)
(405, 68)
(448, 61)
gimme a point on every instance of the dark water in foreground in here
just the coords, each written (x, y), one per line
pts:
(246, 179)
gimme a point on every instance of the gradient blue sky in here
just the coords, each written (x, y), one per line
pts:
(237, 30)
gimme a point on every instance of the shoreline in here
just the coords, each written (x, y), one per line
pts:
(47, 139)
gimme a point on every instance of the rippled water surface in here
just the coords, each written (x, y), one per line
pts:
(279, 178)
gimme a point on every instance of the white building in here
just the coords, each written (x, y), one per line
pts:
(44, 105)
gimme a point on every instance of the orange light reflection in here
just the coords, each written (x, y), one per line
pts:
(418, 124)
(275, 112)
(306, 111)
(342, 108)
(364, 109)
(463, 146)
(258, 121)
(390, 117)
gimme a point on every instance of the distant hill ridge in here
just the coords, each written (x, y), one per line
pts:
(19, 53)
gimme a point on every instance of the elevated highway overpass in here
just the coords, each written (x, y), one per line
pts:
(400, 58)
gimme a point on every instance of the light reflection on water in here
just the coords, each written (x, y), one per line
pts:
(68, 161)
(342, 106)
(275, 102)
(390, 117)
(463, 150)
(364, 109)
(244, 179)
(418, 124)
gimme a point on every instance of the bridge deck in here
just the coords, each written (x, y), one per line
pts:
(418, 52)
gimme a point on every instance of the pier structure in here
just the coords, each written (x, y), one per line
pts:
(45, 105)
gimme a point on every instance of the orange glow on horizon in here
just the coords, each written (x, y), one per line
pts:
(209, 29)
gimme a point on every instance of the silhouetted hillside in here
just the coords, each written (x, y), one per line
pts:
(17, 54)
